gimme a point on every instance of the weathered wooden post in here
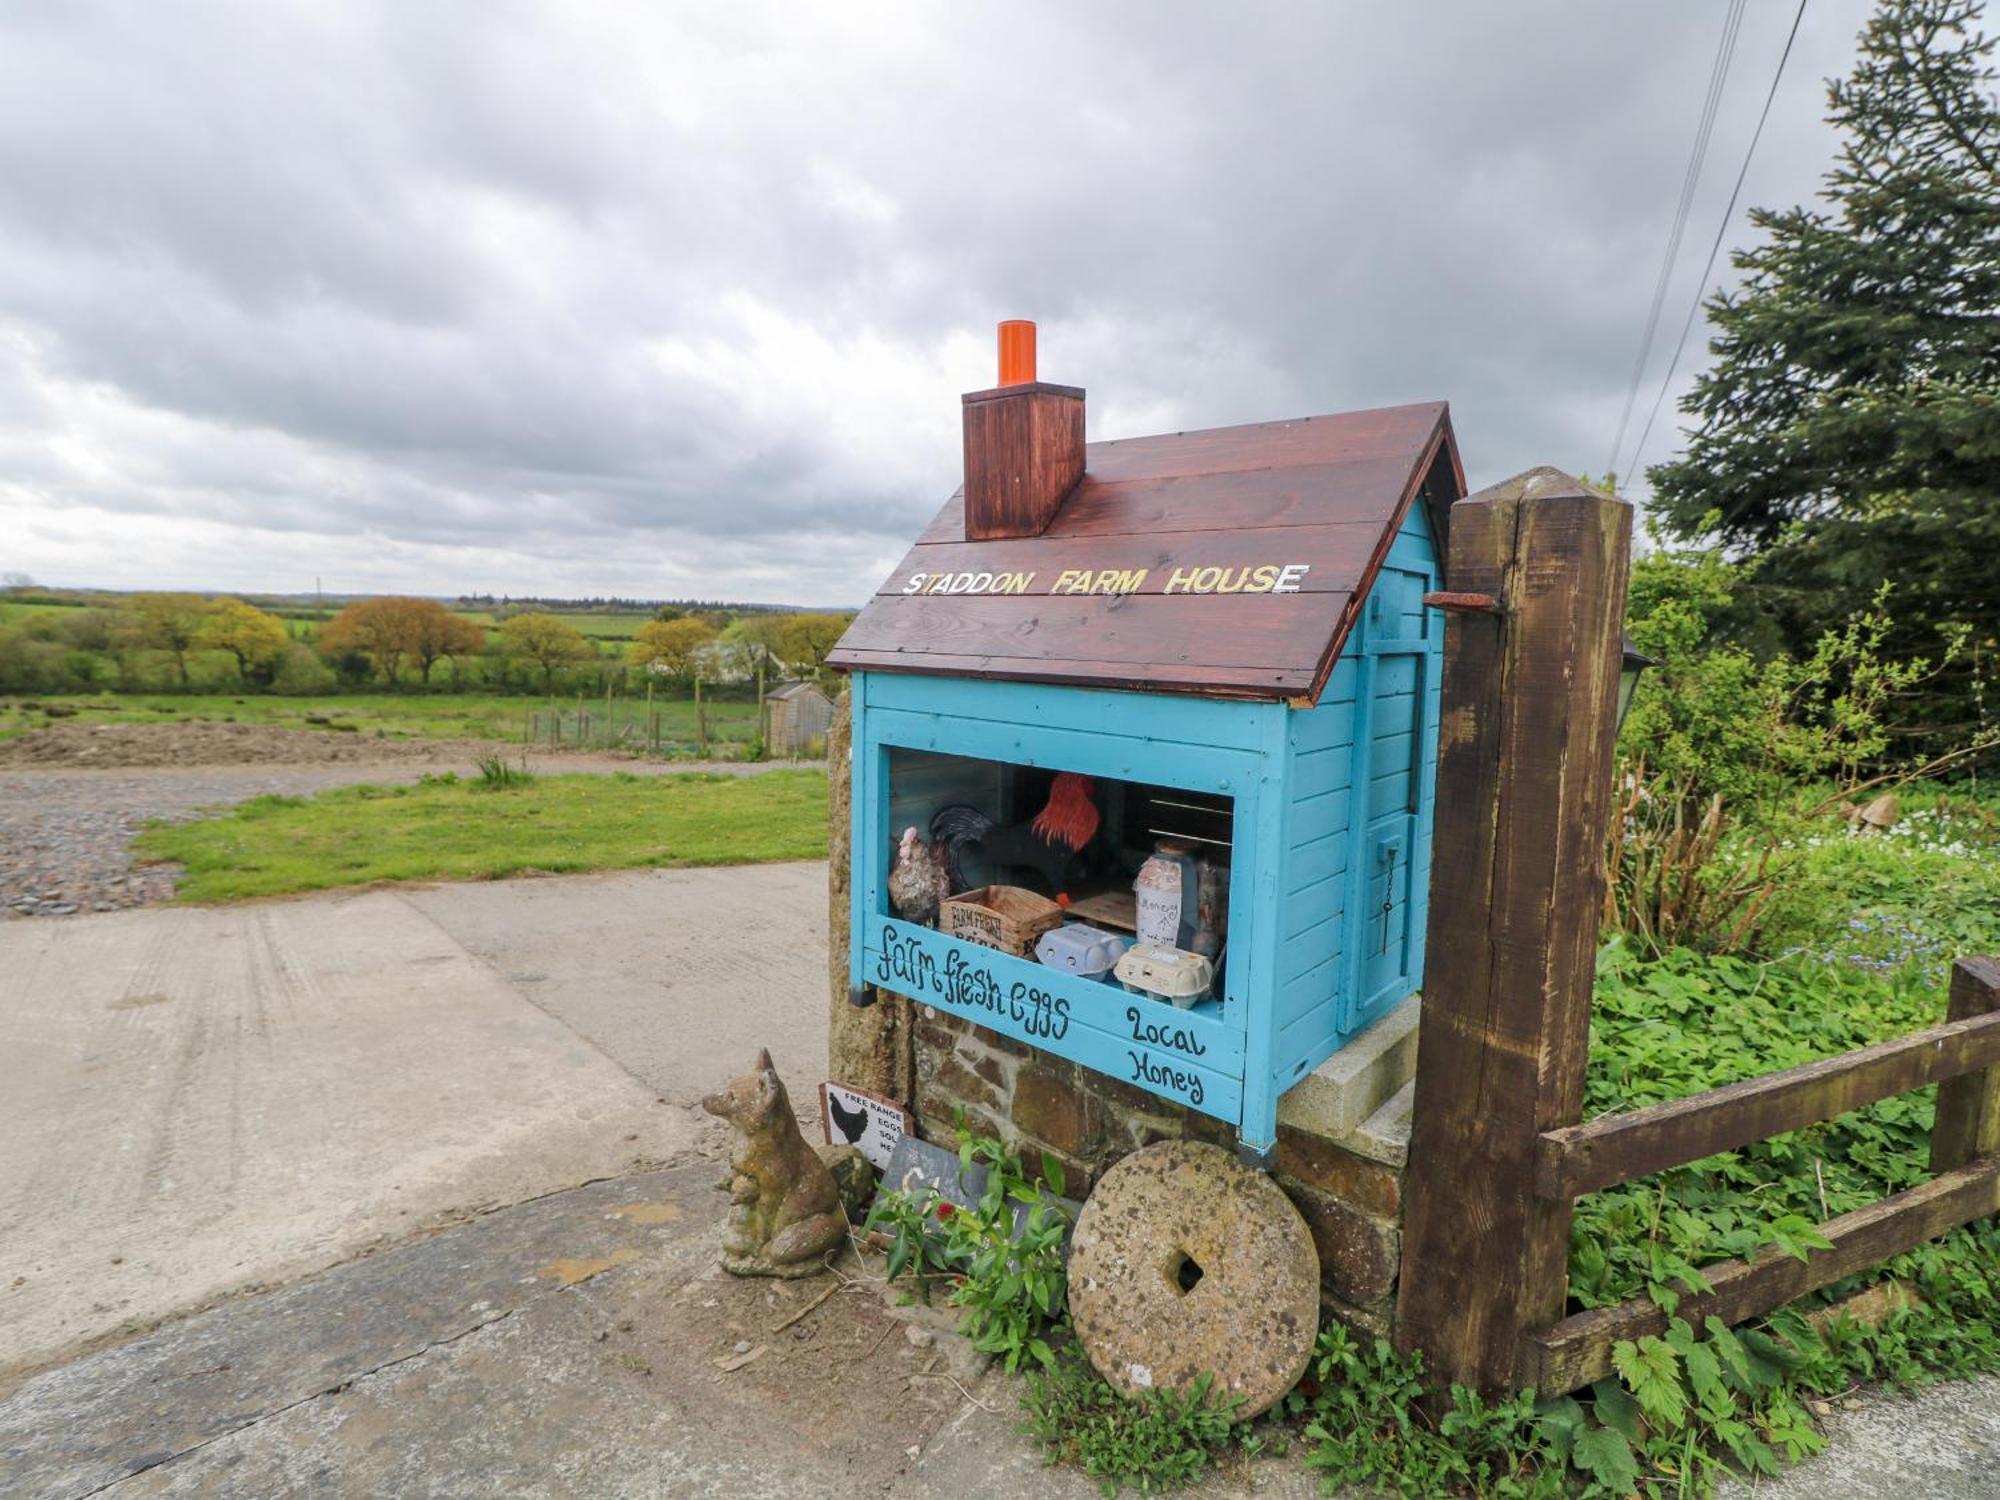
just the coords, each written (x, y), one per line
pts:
(1527, 725)
(1967, 1124)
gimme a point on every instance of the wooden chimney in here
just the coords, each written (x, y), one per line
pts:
(1023, 445)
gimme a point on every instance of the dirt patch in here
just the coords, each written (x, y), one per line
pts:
(206, 743)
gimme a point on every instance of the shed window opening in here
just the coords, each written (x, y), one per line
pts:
(1124, 882)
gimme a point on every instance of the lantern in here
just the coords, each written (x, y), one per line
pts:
(1634, 663)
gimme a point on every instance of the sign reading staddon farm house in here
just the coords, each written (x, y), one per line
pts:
(1258, 578)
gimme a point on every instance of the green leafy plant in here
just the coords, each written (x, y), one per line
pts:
(1369, 1427)
(496, 775)
(1005, 1267)
(1692, 1404)
(1727, 753)
(1157, 1440)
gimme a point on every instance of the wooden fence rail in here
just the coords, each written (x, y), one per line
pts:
(1965, 1050)
(1581, 1159)
(1577, 1350)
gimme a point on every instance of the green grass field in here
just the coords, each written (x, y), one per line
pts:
(482, 716)
(598, 627)
(454, 829)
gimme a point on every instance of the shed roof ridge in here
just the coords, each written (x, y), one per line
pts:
(1317, 416)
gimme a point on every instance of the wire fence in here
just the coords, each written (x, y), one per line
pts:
(720, 731)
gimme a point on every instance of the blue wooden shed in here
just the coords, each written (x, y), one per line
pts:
(1225, 631)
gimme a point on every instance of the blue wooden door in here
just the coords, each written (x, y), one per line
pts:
(1391, 744)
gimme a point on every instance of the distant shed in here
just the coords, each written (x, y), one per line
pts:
(795, 720)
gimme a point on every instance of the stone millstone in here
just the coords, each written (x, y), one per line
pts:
(1187, 1262)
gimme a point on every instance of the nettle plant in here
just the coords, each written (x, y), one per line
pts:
(1002, 1257)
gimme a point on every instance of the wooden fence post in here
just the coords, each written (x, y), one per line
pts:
(1528, 720)
(1968, 1107)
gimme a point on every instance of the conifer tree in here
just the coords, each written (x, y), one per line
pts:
(1849, 431)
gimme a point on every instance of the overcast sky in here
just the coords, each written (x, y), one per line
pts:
(677, 300)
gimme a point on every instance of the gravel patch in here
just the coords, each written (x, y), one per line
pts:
(204, 742)
(66, 835)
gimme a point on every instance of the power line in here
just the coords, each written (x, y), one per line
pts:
(1721, 229)
(1718, 74)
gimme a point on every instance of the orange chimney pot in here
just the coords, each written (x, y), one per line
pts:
(1017, 352)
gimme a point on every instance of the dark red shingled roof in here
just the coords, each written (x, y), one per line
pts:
(1218, 522)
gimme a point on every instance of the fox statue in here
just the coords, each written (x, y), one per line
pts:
(788, 1210)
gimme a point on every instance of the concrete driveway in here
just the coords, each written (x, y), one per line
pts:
(202, 1101)
(679, 975)
(199, 1103)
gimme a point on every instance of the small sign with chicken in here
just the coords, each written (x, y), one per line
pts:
(856, 1119)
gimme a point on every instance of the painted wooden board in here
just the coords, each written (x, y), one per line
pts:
(1195, 1060)
(1194, 562)
(1155, 638)
(1172, 721)
(1195, 767)
(1255, 683)
(1288, 894)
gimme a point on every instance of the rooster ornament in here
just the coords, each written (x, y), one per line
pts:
(1051, 845)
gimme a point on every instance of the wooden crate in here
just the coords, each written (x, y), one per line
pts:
(1000, 916)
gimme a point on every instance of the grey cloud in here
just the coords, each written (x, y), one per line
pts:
(546, 297)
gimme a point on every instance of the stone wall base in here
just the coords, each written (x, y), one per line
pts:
(1340, 1154)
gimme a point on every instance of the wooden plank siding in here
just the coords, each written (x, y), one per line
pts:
(1398, 647)
(1023, 453)
(1287, 777)
(1342, 745)
(1164, 721)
